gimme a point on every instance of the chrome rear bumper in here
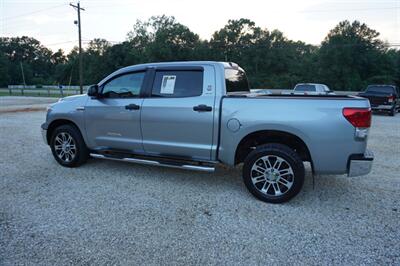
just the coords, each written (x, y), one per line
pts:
(382, 107)
(360, 164)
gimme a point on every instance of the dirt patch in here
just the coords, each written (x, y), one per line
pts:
(28, 109)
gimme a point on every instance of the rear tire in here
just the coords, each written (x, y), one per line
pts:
(273, 173)
(68, 147)
(392, 112)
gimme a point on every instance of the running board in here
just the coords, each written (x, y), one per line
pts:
(156, 163)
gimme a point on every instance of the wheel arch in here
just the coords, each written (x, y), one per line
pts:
(260, 137)
(59, 122)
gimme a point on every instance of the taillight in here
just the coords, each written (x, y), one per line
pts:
(391, 98)
(358, 117)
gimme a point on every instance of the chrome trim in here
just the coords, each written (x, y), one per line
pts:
(361, 133)
(156, 163)
(361, 166)
(368, 154)
(44, 136)
(382, 107)
(80, 108)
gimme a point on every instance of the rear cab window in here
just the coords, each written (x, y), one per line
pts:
(177, 83)
(305, 87)
(382, 89)
(236, 81)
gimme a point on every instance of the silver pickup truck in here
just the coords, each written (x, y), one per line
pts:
(193, 115)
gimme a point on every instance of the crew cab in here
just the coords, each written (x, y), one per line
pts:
(383, 98)
(194, 115)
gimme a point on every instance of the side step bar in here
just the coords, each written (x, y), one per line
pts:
(156, 163)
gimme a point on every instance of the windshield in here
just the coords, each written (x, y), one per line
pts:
(382, 89)
(236, 80)
(304, 87)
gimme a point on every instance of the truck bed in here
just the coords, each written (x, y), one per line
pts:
(317, 120)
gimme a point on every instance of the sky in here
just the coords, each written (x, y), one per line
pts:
(52, 22)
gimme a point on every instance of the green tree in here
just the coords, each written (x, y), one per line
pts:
(4, 71)
(233, 39)
(34, 57)
(95, 67)
(270, 59)
(161, 38)
(351, 56)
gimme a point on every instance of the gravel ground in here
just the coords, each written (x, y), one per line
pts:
(109, 212)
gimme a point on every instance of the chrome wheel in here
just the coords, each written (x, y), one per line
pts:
(65, 147)
(272, 175)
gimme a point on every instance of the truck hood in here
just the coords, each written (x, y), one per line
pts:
(73, 98)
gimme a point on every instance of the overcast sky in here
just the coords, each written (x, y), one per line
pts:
(51, 22)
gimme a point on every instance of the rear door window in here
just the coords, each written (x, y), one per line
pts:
(180, 83)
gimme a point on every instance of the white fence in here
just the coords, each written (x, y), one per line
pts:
(54, 87)
(43, 90)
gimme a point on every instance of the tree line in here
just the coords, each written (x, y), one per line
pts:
(350, 57)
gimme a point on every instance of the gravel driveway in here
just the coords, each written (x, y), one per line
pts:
(109, 212)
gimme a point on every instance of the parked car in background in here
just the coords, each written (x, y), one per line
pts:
(261, 91)
(383, 98)
(194, 115)
(312, 89)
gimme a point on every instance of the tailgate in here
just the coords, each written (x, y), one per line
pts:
(376, 100)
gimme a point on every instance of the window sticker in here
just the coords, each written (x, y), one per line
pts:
(168, 84)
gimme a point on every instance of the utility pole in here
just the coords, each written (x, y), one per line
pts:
(79, 8)
(23, 75)
(23, 78)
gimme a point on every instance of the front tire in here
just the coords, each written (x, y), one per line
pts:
(68, 147)
(273, 173)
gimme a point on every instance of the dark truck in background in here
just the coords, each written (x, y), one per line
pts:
(383, 98)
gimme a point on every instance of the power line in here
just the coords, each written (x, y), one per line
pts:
(111, 42)
(58, 43)
(30, 13)
(350, 9)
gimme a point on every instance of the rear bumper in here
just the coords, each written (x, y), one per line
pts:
(382, 107)
(360, 164)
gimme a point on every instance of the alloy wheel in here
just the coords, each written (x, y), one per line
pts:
(65, 147)
(272, 175)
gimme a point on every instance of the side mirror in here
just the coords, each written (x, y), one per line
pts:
(93, 91)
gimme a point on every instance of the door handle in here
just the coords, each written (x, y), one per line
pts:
(202, 108)
(132, 106)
